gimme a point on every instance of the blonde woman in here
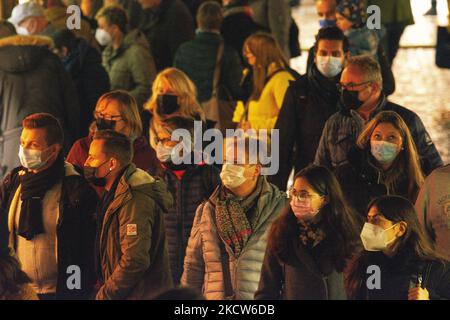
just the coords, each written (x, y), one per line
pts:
(118, 111)
(270, 82)
(174, 95)
(385, 162)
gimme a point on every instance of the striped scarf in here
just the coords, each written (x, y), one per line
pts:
(234, 221)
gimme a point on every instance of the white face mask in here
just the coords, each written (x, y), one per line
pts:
(329, 66)
(22, 31)
(232, 175)
(103, 37)
(163, 153)
(374, 238)
(31, 159)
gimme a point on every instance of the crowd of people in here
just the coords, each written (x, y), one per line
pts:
(92, 188)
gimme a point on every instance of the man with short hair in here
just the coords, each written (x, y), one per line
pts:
(308, 103)
(132, 255)
(127, 57)
(29, 19)
(50, 211)
(361, 99)
(167, 24)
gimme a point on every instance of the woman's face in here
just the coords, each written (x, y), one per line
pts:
(251, 59)
(164, 87)
(302, 189)
(343, 23)
(110, 110)
(394, 230)
(388, 133)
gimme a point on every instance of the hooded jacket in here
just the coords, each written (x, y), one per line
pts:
(133, 248)
(131, 67)
(32, 79)
(203, 263)
(342, 129)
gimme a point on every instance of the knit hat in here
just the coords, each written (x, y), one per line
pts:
(353, 10)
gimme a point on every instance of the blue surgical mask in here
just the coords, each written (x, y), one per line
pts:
(329, 66)
(385, 152)
(327, 23)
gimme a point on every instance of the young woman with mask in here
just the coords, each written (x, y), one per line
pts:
(190, 185)
(174, 94)
(385, 161)
(271, 76)
(310, 242)
(403, 262)
(225, 251)
(118, 111)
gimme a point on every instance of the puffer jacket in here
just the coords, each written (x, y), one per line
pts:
(133, 248)
(131, 67)
(342, 129)
(203, 263)
(32, 79)
(196, 185)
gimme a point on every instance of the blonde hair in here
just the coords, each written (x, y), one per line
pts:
(184, 88)
(129, 110)
(407, 162)
(267, 52)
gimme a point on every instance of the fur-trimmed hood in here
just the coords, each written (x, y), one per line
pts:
(22, 53)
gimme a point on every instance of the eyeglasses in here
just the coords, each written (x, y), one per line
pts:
(301, 195)
(351, 85)
(107, 116)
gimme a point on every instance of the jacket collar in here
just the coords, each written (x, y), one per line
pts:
(20, 40)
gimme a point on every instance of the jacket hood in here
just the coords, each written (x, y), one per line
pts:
(140, 181)
(22, 53)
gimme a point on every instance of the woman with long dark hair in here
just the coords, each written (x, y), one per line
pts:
(399, 261)
(310, 242)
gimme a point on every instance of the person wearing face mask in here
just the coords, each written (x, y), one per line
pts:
(29, 19)
(228, 239)
(409, 267)
(117, 110)
(326, 11)
(84, 64)
(385, 161)
(127, 56)
(361, 100)
(50, 210)
(189, 184)
(308, 103)
(311, 242)
(130, 249)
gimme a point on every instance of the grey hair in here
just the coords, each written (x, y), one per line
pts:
(369, 67)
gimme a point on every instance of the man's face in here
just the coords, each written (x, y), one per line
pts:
(98, 159)
(31, 24)
(353, 79)
(149, 4)
(35, 139)
(326, 9)
(332, 48)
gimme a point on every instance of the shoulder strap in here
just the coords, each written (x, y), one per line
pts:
(216, 77)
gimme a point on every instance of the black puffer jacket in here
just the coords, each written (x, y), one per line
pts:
(196, 185)
(32, 79)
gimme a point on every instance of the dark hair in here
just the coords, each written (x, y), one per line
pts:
(12, 278)
(65, 38)
(339, 222)
(396, 209)
(7, 29)
(51, 125)
(332, 33)
(210, 15)
(116, 145)
(114, 15)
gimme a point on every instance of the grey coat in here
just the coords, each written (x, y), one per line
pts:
(203, 264)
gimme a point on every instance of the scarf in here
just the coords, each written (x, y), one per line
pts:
(310, 234)
(232, 217)
(34, 188)
(326, 92)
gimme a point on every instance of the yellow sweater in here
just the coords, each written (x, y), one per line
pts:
(263, 113)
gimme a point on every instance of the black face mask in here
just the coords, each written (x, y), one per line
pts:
(103, 124)
(350, 99)
(167, 104)
(90, 175)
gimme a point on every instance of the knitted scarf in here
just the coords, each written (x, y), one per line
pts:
(234, 221)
